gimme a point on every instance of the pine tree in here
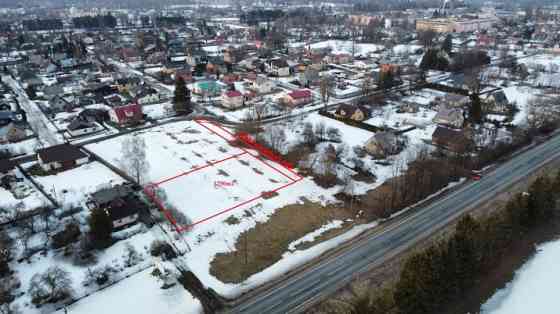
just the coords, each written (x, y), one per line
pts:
(181, 97)
(447, 45)
(467, 251)
(476, 109)
(101, 227)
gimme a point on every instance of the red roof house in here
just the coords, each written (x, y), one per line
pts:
(297, 98)
(128, 114)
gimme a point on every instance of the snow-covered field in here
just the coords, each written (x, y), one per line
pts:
(71, 187)
(534, 288)
(142, 296)
(343, 46)
(179, 147)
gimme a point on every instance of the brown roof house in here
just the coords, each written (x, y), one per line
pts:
(451, 117)
(456, 141)
(63, 156)
(353, 112)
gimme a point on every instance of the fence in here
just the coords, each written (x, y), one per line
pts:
(358, 124)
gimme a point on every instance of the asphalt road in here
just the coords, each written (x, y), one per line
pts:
(298, 292)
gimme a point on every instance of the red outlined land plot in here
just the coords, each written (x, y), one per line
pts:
(207, 191)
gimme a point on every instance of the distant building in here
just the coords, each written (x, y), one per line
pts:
(454, 25)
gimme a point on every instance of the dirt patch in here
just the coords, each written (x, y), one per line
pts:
(257, 171)
(191, 131)
(243, 162)
(223, 173)
(263, 245)
(273, 181)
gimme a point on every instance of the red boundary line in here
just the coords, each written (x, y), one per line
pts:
(149, 189)
(200, 122)
(209, 164)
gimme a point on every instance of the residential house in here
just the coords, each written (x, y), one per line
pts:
(339, 58)
(278, 67)
(456, 101)
(263, 85)
(297, 98)
(124, 211)
(498, 103)
(352, 112)
(126, 83)
(7, 167)
(63, 156)
(453, 140)
(102, 197)
(11, 133)
(130, 55)
(53, 91)
(450, 117)
(127, 114)
(185, 73)
(232, 99)
(94, 115)
(207, 88)
(384, 144)
(80, 126)
(147, 95)
(309, 77)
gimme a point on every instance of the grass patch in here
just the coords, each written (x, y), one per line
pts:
(266, 242)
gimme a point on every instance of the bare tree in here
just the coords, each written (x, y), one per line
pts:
(51, 286)
(367, 87)
(134, 159)
(308, 136)
(321, 131)
(276, 138)
(326, 90)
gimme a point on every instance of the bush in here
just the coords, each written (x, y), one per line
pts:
(100, 275)
(163, 249)
(70, 234)
(132, 257)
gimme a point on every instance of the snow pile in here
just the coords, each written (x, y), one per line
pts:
(310, 237)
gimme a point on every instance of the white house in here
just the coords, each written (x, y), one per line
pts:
(232, 99)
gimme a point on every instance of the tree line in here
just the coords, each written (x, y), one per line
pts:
(439, 275)
(42, 24)
(98, 21)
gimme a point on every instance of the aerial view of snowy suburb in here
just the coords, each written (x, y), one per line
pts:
(279, 156)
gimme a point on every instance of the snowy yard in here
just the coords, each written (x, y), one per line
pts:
(72, 187)
(143, 296)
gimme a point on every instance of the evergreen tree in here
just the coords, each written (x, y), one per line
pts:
(447, 45)
(467, 251)
(101, 227)
(181, 97)
(476, 109)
